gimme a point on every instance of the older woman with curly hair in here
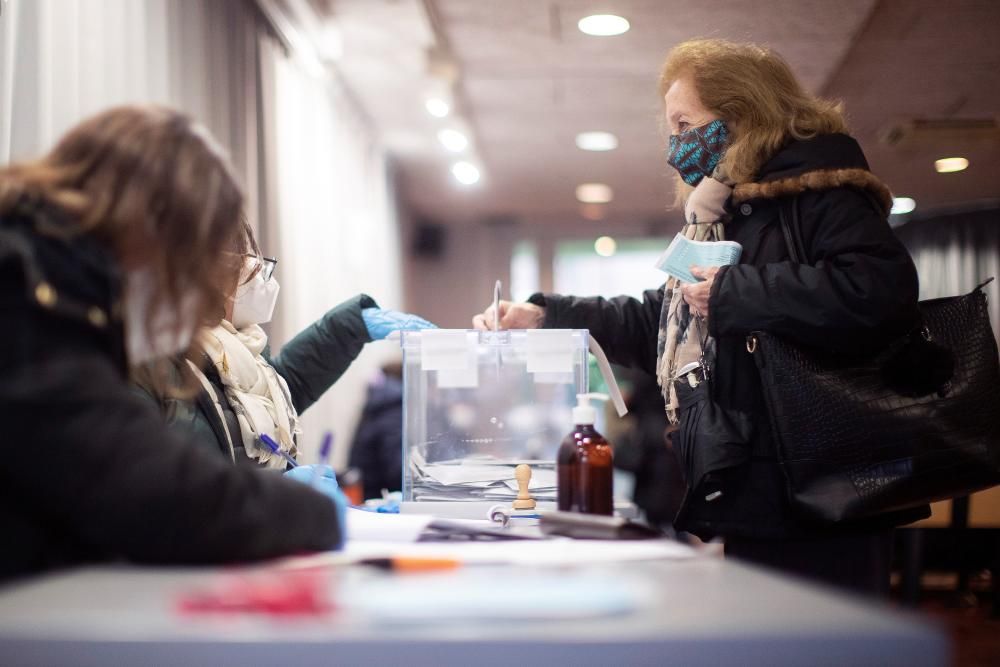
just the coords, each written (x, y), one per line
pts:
(748, 142)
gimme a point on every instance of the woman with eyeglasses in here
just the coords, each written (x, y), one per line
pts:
(242, 391)
(112, 248)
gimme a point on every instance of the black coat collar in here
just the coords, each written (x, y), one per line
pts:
(821, 163)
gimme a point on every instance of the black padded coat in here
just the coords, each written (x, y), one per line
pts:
(858, 289)
(89, 472)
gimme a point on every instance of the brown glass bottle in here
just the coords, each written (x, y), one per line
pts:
(584, 472)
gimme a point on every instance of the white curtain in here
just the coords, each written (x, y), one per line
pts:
(956, 252)
(316, 179)
(61, 60)
(337, 231)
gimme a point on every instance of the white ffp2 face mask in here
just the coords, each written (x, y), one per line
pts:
(169, 332)
(254, 301)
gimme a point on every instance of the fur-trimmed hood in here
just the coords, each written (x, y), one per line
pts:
(822, 163)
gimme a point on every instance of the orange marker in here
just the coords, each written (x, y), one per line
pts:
(412, 563)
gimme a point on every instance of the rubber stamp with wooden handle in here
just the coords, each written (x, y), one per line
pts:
(522, 474)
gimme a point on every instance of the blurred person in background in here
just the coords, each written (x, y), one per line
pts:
(112, 248)
(377, 450)
(746, 140)
(642, 448)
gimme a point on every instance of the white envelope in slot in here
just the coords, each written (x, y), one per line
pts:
(550, 351)
(447, 349)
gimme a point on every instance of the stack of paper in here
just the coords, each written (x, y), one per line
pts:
(484, 478)
(683, 253)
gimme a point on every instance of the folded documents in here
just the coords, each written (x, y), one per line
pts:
(683, 253)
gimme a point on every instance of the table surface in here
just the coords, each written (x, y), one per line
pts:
(691, 612)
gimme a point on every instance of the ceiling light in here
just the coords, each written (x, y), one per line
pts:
(453, 140)
(603, 25)
(594, 193)
(947, 165)
(437, 107)
(902, 205)
(465, 173)
(605, 246)
(596, 141)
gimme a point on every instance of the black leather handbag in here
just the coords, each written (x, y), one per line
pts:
(856, 437)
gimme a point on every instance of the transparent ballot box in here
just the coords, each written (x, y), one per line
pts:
(478, 403)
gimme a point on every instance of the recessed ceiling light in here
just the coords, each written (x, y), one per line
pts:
(947, 165)
(605, 246)
(902, 205)
(603, 25)
(596, 141)
(594, 193)
(453, 140)
(465, 173)
(437, 107)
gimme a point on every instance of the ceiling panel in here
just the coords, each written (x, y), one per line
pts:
(529, 81)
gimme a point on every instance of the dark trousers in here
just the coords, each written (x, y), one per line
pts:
(857, 562)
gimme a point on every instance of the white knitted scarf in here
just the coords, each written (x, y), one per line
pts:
(254, 390)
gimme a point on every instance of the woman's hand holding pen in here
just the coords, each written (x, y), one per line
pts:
(512, 316)
(697, 295)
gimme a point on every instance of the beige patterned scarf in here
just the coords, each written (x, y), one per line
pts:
(682, 335)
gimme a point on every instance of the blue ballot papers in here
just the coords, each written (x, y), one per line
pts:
(683, 253)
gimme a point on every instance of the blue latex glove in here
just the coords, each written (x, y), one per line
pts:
(322, 478)
(381, 322)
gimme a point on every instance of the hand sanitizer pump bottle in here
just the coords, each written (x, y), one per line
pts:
(584, 464)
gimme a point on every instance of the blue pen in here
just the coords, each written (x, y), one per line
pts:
(324, 455)
(326, 447)
(274, 447)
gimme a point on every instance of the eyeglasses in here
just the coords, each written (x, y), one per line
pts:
(267, 265)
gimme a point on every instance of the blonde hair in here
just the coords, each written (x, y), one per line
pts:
(753, 90)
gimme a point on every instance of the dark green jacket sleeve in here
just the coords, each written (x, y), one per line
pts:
(625, 327)
(316, 358)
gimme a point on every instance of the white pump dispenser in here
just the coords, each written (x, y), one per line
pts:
(584, 412)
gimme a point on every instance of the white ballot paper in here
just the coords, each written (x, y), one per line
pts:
(683, 253)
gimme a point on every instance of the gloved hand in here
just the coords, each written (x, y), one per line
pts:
(323, 479)
(707, 202)
(381, 322)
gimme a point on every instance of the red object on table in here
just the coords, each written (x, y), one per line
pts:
(267, 592)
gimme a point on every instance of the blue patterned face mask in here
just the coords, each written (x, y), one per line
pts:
(696, 152)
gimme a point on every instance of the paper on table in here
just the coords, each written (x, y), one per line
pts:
(372, 526)
(463, 595)
(553, 552)
(550, 552)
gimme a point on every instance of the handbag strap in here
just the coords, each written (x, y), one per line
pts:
(788, 215)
